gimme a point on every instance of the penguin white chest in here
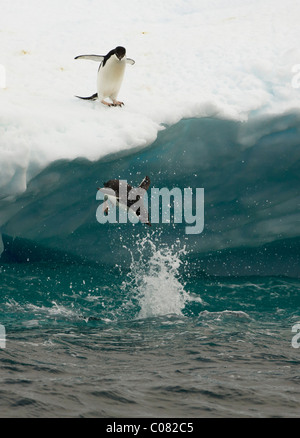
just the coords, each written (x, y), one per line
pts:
(110, 78)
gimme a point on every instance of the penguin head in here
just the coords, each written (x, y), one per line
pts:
(120, 52)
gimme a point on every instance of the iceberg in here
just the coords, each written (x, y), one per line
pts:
(212, 102)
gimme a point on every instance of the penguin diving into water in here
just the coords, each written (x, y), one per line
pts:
(118, 193)
(110, 75)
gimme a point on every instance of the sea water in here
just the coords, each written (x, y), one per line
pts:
(150, 341)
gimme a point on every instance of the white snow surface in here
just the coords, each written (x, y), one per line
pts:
(230, 59)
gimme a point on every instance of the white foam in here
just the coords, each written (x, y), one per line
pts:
(154, 280)
(221, 58)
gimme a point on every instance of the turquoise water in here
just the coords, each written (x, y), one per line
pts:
(154, 341)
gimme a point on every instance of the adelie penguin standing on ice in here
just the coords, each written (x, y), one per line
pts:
(110, 75)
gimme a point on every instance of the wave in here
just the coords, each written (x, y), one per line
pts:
(250, 175)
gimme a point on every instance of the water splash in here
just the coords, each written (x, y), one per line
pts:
(154, 278)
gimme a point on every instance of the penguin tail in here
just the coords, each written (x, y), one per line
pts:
(93, 97)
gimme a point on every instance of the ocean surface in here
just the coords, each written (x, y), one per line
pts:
(86, 342)
(131, 321)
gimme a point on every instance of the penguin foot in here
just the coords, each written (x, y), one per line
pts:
(117, 103)
(105, 208)
(106, 103)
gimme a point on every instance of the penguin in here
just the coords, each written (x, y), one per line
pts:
(110, 75)
(118, 185)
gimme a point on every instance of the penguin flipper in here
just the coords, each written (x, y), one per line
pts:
(93, 97)
(130, 61)
(145, 184)
(97, 58)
